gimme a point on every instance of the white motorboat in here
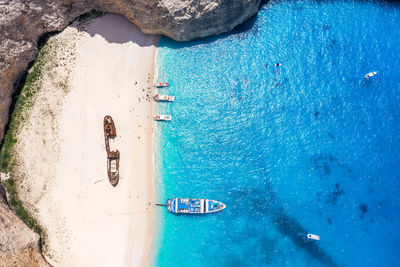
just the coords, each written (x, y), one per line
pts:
(165, 98)
(163, 118)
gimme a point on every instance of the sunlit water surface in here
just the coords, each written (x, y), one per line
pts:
(306, 147)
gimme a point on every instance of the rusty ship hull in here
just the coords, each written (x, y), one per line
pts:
(112, 156)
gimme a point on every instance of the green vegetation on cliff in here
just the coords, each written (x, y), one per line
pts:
(23, 102)
(18, 207)
(8, 159)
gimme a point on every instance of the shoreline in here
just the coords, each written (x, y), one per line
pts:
(62, 160)
(151, 230)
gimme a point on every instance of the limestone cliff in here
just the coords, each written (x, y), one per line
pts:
(22, 22)
(19, 245)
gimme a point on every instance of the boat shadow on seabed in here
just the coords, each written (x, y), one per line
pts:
(284, 223)
(289, 227)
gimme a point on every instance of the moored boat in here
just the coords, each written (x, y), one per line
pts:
(167, 98)
(369, 75)
(162, 84)
(313, 237)
(194, 206)
(163, 118)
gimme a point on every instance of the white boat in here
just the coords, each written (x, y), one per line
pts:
(167, 98)
(313, 237)
(369, 75)
(163, 118)
(162, 84)
(194, 205)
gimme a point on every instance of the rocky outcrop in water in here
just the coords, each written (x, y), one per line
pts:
(22, 22)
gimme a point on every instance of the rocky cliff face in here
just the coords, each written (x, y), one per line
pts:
(19, 245)
(22, 22)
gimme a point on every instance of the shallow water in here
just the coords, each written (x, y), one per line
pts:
(306, 147)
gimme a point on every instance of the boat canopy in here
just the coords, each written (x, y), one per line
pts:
(194, 206)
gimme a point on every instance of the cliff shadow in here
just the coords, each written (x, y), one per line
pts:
(246, 27)
(243, 28)
(113, 28)
(394, 2)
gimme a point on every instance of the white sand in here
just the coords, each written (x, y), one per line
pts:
(88, 221)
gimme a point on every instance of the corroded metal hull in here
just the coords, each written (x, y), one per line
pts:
(112, 156)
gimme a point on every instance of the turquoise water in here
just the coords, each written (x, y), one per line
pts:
(306, 147)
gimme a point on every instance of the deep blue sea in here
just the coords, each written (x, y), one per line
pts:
(307, 147)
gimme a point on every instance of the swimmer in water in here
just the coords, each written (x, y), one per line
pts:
(278, 64)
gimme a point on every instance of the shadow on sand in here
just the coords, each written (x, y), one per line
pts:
(109, 27)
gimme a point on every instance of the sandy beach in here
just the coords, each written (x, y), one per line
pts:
(87, 221)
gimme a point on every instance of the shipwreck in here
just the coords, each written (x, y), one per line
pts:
(112, 156)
